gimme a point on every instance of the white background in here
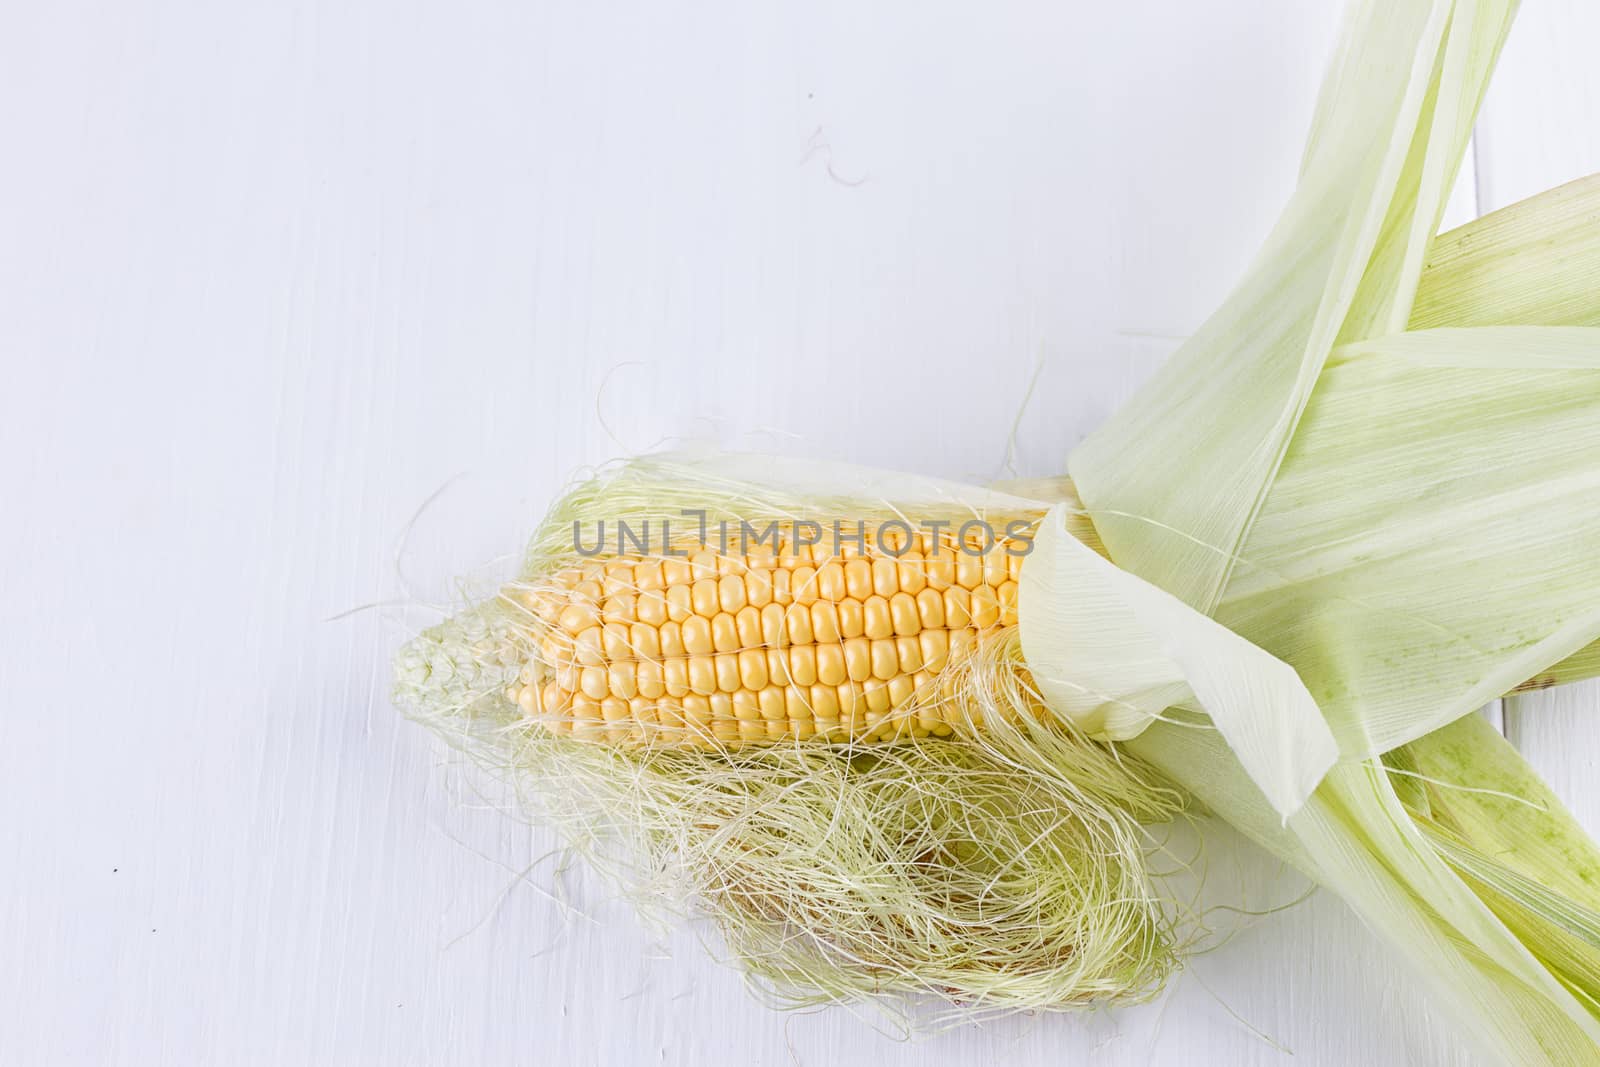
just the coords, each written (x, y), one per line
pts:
(272, 274)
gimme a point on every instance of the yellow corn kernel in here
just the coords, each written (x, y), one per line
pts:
(614, 641)
(727, 668)
(672, 639)
(985, 607)
(885, 663)
(877, 621)
(911, 573)
(901, 688)
(680, 603)
(774, 634)
(702, 675)
(825, 622)
(851, 619)
(777, 666)
(724, 633)
(957, 608)
(585, 706)
(1007, 595)
(576, 618)
(758, 588)
(909, 652)
(830, 665)
(940, 569)
(830, 581)
(696, 710)
(824, 703)
(969, 570)
(697, 635)
(803, 664)
(797, 620)
(588, 648)
(772, 704)
(651, 682)
(752, 669)
(647, 575)
(617, 576)
(885, 576)
(703, 597)
(669, 713)
(903, 613)
(858, 659)
(622, 680)
(852, 703)
(747, 627)
(858, 580)
(745, 705)
(592, 682)
(620, 607)
(797, 703)
(804, 584)
(731, 593)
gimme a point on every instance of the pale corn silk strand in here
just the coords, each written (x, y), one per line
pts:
(1002, 867)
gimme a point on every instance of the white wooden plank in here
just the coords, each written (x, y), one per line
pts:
(1537, 126)
(273, 275)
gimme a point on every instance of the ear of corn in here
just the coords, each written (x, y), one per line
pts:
(701, 645)
(711, 724)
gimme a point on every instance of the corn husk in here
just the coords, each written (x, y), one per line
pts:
(1113, 653)
(1400, 516)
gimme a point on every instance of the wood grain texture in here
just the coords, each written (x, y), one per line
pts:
(271, 275)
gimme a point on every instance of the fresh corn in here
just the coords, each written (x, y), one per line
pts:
(783, 642)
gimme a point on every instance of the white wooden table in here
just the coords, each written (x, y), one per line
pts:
(270, 275)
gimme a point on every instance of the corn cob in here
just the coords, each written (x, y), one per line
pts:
(783, 642)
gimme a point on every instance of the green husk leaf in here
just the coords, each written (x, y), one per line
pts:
(1492, 818)
(1534, 263)
(1355, 837)
(1582, 664)
(1428, 543)
(1303, 474)
(1111, 652)
(1480, 790)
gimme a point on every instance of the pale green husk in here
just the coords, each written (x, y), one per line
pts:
(1112, 652)
(1401, 517)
